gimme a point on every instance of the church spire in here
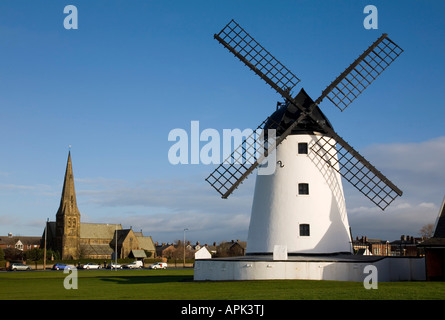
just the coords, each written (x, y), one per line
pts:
(68, 201)
(68, 217)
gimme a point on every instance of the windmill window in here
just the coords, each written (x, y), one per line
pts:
(302, 148)
(304, 230)
(303, 188)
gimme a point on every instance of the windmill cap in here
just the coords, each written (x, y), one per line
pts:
(288, 113)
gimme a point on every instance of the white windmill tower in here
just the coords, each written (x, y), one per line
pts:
(301, 206)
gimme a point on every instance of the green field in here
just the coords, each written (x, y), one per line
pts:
(178, 284)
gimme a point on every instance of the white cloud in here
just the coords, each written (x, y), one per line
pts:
(14, 187)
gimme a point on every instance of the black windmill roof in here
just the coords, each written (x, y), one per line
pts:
(288, 113)
(440, 226)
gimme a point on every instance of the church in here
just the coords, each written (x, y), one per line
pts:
(74, 239)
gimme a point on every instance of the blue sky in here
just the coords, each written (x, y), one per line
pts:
(134, 70)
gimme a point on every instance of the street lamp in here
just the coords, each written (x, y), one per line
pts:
(115, 248)
(184, 246)
(44, 251)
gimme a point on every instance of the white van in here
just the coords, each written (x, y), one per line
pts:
(159, 265)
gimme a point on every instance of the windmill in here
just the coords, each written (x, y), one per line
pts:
(301, 205)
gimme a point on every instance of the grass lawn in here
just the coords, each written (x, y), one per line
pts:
(178, 284)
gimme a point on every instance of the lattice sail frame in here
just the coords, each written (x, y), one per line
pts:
(370, 182)
(256, 57)
(362, 72)
(252, 152)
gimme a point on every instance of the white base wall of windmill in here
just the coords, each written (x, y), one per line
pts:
(335, 268)
(279, 210)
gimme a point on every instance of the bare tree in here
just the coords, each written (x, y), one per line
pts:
(427, 231)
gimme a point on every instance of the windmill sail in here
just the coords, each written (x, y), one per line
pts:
(356, 170)
(229, 174)
(362, 72)
(254, 150)
(258, 59)
(341, 92)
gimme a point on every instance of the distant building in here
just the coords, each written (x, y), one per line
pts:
(231, 249)
(203, 253)
(375, 247)
(22, 243)
(74, 239)
(406, 246)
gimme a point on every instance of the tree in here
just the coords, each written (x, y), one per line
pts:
(52, 254)
(34, 254)
(427, 231)
(13, 254)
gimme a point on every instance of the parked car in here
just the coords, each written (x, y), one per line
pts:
(19, 266)
(90, 265)
(62, 266)
(159, 265)
(114, 266)
(134, 265)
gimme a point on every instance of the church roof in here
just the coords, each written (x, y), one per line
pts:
(138, 254)
(145, 243)
(440, 224)
(122, 235)
(98, 230)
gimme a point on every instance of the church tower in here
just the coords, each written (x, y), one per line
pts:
(68, 218)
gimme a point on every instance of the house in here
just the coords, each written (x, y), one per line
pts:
(231, 249)
(165, 250)
(237, 248)
(203, 253)
(376, 247)
(22, 243)
(212, 249)
(406, 246)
